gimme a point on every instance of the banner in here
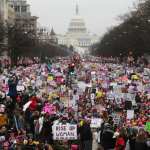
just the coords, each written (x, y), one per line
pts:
(65, 132)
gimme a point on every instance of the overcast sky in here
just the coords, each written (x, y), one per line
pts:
(99, 15)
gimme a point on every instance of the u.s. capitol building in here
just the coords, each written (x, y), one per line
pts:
(77, 35)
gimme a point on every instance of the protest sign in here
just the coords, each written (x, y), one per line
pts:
(130, 97)
(92, 96)
(116, 118)
(20, 88)
(130, 114)
(147, 72)
(3, 120)
(147, 127)
(49, 108)
(65, 132)
(110, 95)
(2, 108)
(96, 123)
(2, 138)
(118, 100)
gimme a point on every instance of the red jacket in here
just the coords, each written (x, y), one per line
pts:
(33, 104)
(120, 144)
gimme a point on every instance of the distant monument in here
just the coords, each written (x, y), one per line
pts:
(77, 35)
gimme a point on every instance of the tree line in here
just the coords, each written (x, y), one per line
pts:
(133, 34)
(21, 42)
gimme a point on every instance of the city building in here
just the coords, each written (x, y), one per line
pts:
(53, 37)
(43, 34)
(77, 35)
(23, 15)
(22, 9)
(11, 16)
(7, 17)
(7, 14)
(3, 10)
(47, 36)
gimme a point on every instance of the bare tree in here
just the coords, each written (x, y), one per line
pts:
(132, 34)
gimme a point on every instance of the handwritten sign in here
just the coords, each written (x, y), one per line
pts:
(92, 96)
(65, 132)
(3, 120)
(20, 88)
(130, 114)
(96, 123)
(2, 108)
(2, 138)
(147, 127)
(116, 118)
(49, 108)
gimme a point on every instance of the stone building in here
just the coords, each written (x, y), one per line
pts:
(7, 14)
(47, 36)
(3, 10)
(53, 37)
(77, 34)
(23, 15)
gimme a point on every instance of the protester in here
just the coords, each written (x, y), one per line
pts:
(141, 139)
(121, 140)
(86, 136)
(132, 138)
(107, 140)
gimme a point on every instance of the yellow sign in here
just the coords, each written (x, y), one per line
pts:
(100, 94)
(50, 78)
(135, 77)
(3, 120)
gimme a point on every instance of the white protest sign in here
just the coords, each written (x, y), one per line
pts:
(116, 118)
(113, 84)
(130, 114)
(96, 122)
(92, 96)
(130, 97)
(147, 72)
(110, 95)
(20, 88)
(2, 138)
(65, 132)
(118, 100)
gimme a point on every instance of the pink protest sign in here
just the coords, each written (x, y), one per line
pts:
(2, 108)
(49, 108)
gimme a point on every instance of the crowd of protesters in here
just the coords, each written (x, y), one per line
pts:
(79, 90)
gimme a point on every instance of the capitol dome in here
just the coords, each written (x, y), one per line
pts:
(77, 24)
(77, 35)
